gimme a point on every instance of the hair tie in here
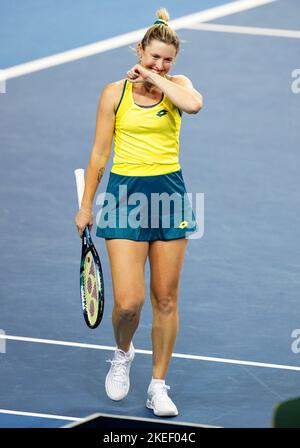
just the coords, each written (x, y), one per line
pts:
(161, 22)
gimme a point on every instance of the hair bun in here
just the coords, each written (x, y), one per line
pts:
(163, 14)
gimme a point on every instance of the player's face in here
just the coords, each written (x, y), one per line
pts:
(158, 57)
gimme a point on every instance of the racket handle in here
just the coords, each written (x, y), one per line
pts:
(79, 176)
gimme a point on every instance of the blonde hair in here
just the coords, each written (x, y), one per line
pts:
(161, 31)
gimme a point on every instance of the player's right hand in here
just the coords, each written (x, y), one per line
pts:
(84, 218)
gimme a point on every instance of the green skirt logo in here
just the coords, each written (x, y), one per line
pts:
(183, 224)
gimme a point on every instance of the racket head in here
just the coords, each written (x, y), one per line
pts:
(91, 282)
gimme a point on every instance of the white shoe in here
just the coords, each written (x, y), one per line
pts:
(159, 401)
(117, 381)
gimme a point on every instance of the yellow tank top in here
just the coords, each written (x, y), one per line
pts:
(146, 138)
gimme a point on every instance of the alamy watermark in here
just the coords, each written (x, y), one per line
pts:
(296, 343)
(295, 86)
(2, 82)
(160, 210)
(2, 342)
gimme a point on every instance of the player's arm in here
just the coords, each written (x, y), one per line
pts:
(104, 130)
(180, 90)
(184, 95)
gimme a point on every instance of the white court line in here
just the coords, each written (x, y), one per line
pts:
(77, 419)
(149, 352)
(34, 414)
(274, 32)
(128, 38)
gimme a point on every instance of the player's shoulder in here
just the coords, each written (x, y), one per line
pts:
(114, 88)
(181, 80)
(112, 92)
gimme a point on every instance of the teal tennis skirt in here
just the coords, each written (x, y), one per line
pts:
(145, 208)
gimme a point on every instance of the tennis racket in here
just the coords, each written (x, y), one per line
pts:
(91, 277)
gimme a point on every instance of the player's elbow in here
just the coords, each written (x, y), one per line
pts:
(198, 104)
(196, 109)
(99, 160)
(195, 106)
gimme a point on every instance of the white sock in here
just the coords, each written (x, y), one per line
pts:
(129, 353)
(156, 381)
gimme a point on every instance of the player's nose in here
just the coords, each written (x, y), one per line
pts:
(159, 66)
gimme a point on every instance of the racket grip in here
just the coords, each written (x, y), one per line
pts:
(79, 176)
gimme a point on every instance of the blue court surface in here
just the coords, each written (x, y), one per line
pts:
(237, 353)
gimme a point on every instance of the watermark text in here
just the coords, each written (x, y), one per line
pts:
(295, 86)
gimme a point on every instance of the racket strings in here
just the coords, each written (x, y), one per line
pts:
(90, 288)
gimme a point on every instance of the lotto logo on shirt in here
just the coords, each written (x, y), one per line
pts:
(162, 112)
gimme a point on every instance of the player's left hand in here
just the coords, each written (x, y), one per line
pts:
(84, 218)
(138, 73)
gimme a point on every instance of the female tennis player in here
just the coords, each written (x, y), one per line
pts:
(143, 113)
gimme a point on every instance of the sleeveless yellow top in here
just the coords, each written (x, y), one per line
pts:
(146, 138)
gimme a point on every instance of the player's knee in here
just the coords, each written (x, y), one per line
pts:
(165, 303)
(128, 315)
(129, 312)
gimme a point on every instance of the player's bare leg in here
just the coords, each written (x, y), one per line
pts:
(127, 262)
(166, 258)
